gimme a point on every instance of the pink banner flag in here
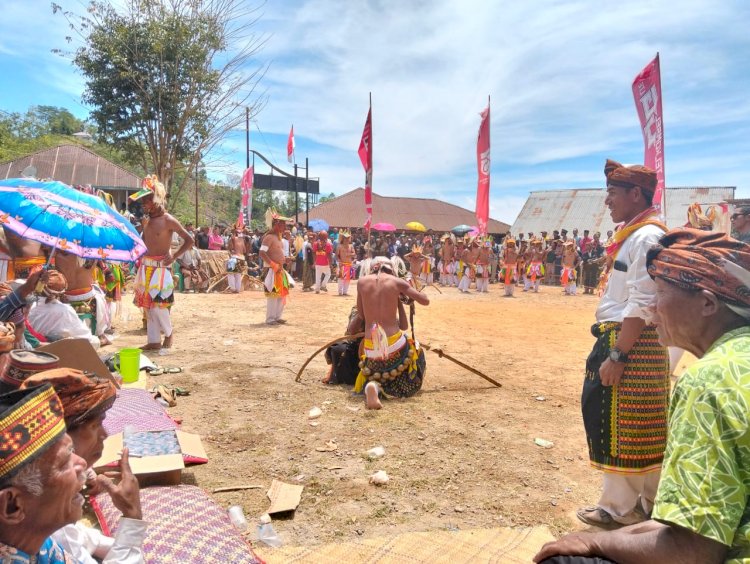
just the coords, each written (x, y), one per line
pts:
(365, 155)
(290, 145)
(483, 169)
(246, 184)
(647, 94)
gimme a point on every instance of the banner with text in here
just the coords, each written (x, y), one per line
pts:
(483, 171)
(647, 94)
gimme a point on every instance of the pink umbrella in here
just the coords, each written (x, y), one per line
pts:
(474, 231)
(384, 227)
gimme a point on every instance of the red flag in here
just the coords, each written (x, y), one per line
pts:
(483, 168)
(647, 94)
(240, 220)
(247, 191)
(365, 155)
(290, 145)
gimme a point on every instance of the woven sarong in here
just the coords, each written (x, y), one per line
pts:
(401, 373)
(626, 425)
(535, 270)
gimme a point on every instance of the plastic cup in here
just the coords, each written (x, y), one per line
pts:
(128, 363)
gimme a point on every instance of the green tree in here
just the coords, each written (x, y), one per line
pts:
(327, 198)
(167, 79)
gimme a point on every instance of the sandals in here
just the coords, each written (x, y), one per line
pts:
(169, 393)
(597, 517)
(159, 370)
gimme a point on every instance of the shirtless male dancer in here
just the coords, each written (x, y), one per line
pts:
(469, 259)
(344, 257)
(447, 253)
(483, 266)
(154, 285)
(391, 362)
(507, 274)
(535, 268)
(236, 265)
(276, 280)
(84, 294)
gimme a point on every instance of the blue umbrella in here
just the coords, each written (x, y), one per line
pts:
(54, 214)
(319, 225)
(461, 229)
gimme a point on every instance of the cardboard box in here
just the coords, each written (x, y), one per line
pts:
(78, 354)
(158, 470)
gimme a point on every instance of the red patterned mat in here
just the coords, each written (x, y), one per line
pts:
(184, 525)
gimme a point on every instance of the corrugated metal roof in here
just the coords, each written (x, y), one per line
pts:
(73, 164)
(584, 208)
(348, 210)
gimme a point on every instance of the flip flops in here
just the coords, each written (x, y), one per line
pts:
(159, 370)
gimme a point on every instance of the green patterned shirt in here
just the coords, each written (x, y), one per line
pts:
(705, 479)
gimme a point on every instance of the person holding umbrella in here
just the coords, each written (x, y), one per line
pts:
(154, 286)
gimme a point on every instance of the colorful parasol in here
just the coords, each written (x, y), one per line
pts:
(416, 226)
(319, 225)
(384, 227)
(54, 214)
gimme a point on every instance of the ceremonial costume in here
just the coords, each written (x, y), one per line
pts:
(91, 306)
(626, 423)
(399, 373)
(346, 270)
(507, 273)
(154, 284)
(535, 270)
(276, 282)
(236, 269)
(154, 292)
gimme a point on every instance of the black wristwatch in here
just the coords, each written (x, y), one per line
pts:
(616, 355)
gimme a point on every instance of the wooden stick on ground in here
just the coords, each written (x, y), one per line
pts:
(443, 354)
(324, 347)
(236, 488)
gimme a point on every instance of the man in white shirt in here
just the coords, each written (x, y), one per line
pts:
(625, 392)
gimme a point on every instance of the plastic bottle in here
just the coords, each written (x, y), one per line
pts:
(267, 535)
(237, 517)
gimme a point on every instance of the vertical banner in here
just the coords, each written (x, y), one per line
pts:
(647, 95)
(483, 170)
(290, 145)
(247, 192)
(365, 155)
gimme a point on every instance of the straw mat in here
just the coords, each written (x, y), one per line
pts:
(501, 545)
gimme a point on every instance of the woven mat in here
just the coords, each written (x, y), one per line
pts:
(184, 525)
(501, 545)
(137, 408)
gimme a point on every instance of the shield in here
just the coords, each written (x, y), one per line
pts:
(54, 214)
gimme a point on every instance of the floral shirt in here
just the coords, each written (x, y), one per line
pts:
(705, 479)
(49, 553)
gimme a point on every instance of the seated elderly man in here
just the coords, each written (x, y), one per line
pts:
(701, 513)
(41, 477)
(85, 400)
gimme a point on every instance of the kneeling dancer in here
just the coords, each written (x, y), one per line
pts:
(392, 363)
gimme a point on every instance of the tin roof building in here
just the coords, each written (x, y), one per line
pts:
(583, 208)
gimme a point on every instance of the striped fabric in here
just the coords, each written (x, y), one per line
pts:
(626, 425)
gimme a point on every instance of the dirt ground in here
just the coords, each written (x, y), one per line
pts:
(460, 454)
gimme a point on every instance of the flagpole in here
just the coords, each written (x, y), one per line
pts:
(369, 225)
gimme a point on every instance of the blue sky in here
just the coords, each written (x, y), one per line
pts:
(559, 74)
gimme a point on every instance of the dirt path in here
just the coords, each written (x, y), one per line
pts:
(459, 454)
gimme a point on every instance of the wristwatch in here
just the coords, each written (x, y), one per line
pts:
(616, 355)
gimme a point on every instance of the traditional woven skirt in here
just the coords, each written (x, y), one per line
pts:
(626, 425)
(400, 374)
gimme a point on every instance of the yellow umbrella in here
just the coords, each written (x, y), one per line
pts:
(415, 226)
